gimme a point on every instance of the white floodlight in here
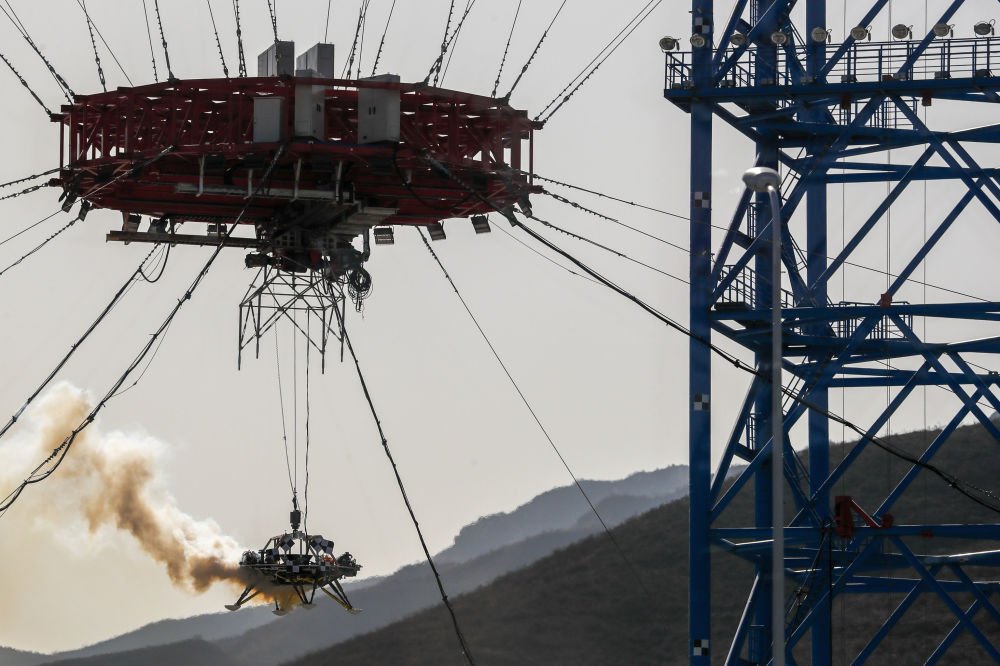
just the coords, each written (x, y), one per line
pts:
(984, 28)
(669, 44)
(738, 39)
(901, 31)
(820, 35)
(861, 33)
(698, 41)
(943, 30)
(761, 179)
(779, 38)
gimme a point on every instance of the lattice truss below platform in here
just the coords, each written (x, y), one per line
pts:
(312, 304)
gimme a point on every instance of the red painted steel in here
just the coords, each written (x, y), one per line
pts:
(209, 122)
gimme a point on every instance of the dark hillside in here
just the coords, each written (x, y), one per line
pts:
(581, 605)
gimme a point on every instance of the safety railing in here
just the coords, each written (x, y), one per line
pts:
(861, 62)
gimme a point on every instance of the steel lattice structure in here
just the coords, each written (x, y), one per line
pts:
(827, 113)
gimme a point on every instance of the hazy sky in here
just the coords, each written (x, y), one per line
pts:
(608, 382)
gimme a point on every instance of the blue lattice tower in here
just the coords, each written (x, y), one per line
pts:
(827, 113)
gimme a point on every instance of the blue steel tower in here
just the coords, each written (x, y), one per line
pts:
(828, 113)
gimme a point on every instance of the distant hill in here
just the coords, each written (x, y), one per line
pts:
(491, 547)
(582, 605)
(562, 508)
(195, 652)
(11, 657)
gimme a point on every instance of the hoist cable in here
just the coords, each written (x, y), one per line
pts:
(114, 57)
(305, 512)
(436, 66)
(218, 42)
(93, 42)
(381, 44)
(149, 35)
(239, 39)
(163, 41)
(361, 41)
(965, 488)
(16, 22)
(600, 59)
(506, 49)
(402, 490)
(58, 455)
(534, 52)
(538, 421)
(79, 341)
(281, 403)
(25, 84)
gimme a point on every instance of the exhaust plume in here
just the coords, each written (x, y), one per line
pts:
(115, 480)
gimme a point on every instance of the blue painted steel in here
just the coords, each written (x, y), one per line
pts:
(827, 114)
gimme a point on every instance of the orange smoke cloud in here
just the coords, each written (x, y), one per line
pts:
(116, 480)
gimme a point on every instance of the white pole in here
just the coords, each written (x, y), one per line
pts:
(777, 444)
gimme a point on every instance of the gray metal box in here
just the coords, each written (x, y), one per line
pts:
(277, 60)
(318, 59)
(268, 119)
(378, 112)
(310, 118)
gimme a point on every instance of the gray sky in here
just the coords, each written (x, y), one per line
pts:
(608, 382)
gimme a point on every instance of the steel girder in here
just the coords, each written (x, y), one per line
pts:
(841, 108)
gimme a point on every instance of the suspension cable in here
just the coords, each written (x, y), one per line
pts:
(149, 35)
(381, 44)
(25, 84)
(613, 251)
(97, 29)
(16, 22)
(538, 421)
(21, 193)
(534, 52)
(93, 42)
(163, 41)
(349, 66)
(506, 49)
(218, 42)
(48, 466)
(971, 491)
(450, 41)
(239, 39)
(635, 22)
(402, 489)
(329, 7)
(566, 201)
(436, 67)
(273, 13)
(454, 41)
(45, 242)
(30, 227)
(115, 300)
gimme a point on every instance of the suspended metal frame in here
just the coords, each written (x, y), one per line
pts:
(827, 113)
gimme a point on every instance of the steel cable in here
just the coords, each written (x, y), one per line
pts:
(59, 453)
(534, 52)
(402, 489)
(506, 49)
(538, 421)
